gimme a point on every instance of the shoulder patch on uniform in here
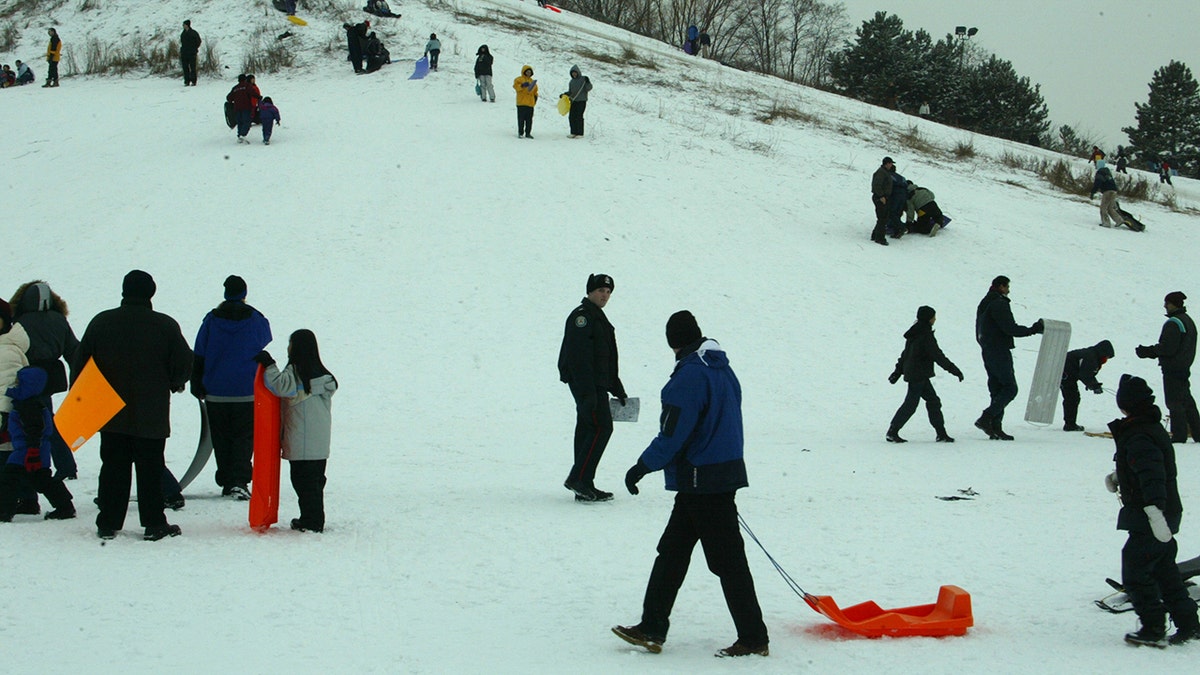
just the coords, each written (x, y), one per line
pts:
(581, 321)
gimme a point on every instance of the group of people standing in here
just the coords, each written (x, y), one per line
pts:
(145, 358)
(893, 195)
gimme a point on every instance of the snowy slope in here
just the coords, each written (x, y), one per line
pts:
(435, 256)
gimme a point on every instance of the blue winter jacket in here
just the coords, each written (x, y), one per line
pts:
(699, 443)
(31, 381)
(229, 338)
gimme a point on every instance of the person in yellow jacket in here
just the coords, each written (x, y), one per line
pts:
(526, 88)
(53, 54)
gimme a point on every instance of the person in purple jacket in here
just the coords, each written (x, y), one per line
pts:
(268, 114)
(223, 377)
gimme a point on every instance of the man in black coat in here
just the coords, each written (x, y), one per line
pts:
(1081, 366)
(587, 363)
(881, 190)
(145, 358)
(994, 331)
(1151, 511)
(356, 43)
(189, 48)
(915, 364)
(1175, 351)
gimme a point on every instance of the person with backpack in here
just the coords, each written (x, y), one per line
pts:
(483, 74)
(577, 91)
(915, 365)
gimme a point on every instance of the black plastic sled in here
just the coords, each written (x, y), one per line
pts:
(1118, 602)
(230, 115)
(1131, 222)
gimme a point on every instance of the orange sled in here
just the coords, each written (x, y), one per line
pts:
(951, 615)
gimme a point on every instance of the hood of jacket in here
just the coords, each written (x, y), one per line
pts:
(36, 296)
(917, 329)
(31, 381)
(1104, 349)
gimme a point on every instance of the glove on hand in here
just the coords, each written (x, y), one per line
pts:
(1039, 327)
(622, 398)
(1158, 523)
(263, 358)
(635, 473)
(1098, 389)
(1110, 482)
(1144, 352)
(894, 377)
(960, 377)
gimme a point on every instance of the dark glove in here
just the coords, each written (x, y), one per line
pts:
(959, 375)
(263, 359)
(1144, 352)
(1038, 327)
(1098, 389)
(198, 390)
(635, 473)
(894, 377)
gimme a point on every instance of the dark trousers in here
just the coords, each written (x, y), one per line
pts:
(924, 223)
(188, 62)
(575, 117)
(1002, 382)
(14, 479)
(232, 428)
(356, 57)
(882, 213)
(711, 520)
(119, 453)
(524, 119)
(1070, 394)
(244, 118)
(52, 72)
(25, 491)
(917, 390)
(433, 58)
(1151, 578)
(593, 428)
(60, 452)
(1177, 392)
(308, 480)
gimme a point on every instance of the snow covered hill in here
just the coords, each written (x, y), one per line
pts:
(435, 256)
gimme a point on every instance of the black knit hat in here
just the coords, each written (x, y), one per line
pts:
(682, 329)
(1000, 281)
(1133, 394)
(887, 160)
(599, 281)
(925, 313)
(139, 285)
(1175, 298)
(235, 287)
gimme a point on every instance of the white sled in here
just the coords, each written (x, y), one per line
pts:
(1047, 374)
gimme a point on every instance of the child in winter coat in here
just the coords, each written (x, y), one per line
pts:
(915, 364)
(268, 114)
(31, 428)
(1082, 365)
(308, 388)
(433, 49)
(527, 94)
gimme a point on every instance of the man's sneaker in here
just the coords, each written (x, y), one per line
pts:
(740, 648)
(1145, 637)
(299, 526)
(28, 507)
(105, 533)
(894, 437)
(944, 437)
(579, 489)
(174, 502)
(934, 230)
(240, 493)
(1072, 427)
(162, 532)
(635, 636)
(1185, 635)
(65, 513)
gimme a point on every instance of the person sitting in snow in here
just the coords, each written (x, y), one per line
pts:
(24, 73)
(31, 427)
(380, 8)
(1082, 366)
(7, 77)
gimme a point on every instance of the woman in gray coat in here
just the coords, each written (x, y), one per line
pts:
(307, 389)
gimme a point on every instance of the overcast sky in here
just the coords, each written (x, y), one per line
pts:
(1093, 59)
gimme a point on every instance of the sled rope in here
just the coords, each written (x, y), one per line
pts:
(805, 595)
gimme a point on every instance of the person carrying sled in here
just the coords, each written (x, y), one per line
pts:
(577, 91)
(527, 95)
(915, 365)
(995, 329)
(1151, 512)
(189, 50)
(483, 73)
(31, 427)
(244, 97)
(1106, 185)
(1082, 365)
(53, 56)
(699, 448)
(1175, 351)
(923, 216)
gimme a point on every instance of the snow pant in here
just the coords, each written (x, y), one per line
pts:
(895, 211)
(917, 390)
(267, 126)
(593, 428)
(1002, 382)
(14, 479)
(356, 57)
(1070, 393)
(575, 117)
(433, 58)
(1177, 392)
(928, 215)
(486, 91)
(1108, 209)
(711, 519)
(232, 427)
(52, 73)
(119, 453)
(25, 491)
(524, 120)
(1152, 581)
(244, 117)
(881, 217)
(1164, 178)
(188, 63)
(308, 480)
(60, 452)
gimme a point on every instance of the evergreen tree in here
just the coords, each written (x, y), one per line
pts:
(1169, 122)
(1000, 103)
(880, 66)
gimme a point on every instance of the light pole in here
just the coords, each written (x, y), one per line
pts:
(962, 33)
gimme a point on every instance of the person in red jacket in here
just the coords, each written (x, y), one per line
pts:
(244, 97)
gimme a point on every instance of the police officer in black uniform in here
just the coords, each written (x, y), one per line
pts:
(587, 362)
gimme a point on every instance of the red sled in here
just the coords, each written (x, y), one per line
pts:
(268, 448)
(950, 615)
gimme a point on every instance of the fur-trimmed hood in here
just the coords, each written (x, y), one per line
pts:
(36, 296)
